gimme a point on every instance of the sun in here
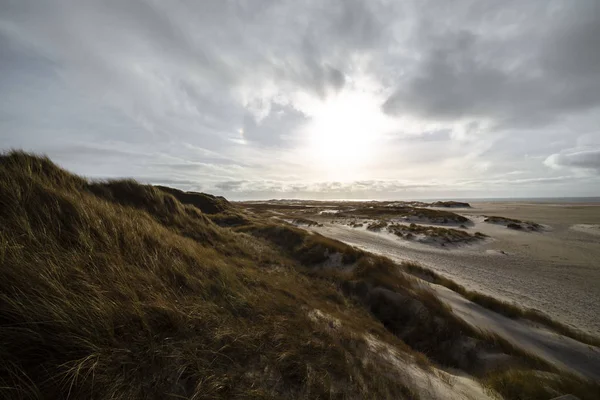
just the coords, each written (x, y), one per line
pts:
(343, 134)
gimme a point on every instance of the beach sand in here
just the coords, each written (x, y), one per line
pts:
(556, 271)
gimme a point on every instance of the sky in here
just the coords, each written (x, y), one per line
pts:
(344, 99)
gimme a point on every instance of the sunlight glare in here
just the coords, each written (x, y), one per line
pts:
(344, 132)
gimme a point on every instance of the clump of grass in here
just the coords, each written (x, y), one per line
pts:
(206, 203)
(305, 221)
(384, 210)
(308, 249)
(513, 223)
(445, 235)
(377, 225)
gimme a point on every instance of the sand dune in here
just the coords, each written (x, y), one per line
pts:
(565, 353)
(559, 350)
(555, 272)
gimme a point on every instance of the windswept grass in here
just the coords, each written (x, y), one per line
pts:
(381, 211)
(507, 309)
(308, 249)
(513, 223)
(377, 225)
(305, 221)
(442, 235)
(116, 290)
(517, 384)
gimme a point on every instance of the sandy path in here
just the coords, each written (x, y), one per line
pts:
(559, 350)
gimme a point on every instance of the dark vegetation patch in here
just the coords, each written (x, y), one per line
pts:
(308, 249)
(514, 223)
(207, 203)
(370, 210)
(377, 225)
(451, 204)
(440, 235)
(217, 208)
(306, 222)
(434, 216)
(500, 220)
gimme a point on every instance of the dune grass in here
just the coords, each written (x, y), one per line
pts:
(513, 223)
(518, 384)
(305, 221)
(443, 235)
(507, 309)
(382, 211)
(107, 295)
(377, 226)
(116, 290)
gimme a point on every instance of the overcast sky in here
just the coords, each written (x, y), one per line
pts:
(313, 99)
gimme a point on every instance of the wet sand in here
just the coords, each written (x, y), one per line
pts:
(556, 271)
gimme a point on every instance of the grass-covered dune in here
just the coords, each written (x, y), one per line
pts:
(438, 235)
(411, 213)
(513, 223)
(116, 290)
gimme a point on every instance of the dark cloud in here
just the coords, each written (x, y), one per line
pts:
(230, 186)
(585, 159)
(465, 73)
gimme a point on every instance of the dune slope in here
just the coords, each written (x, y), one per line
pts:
(116, 290)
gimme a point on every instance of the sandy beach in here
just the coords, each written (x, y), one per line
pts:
(556, 271)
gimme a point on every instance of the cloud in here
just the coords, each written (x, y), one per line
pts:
(371, 186)
(223, 95)
(583, 159)
(276, 128)
(522, 76)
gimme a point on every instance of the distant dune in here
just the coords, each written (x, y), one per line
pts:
(587, 228)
